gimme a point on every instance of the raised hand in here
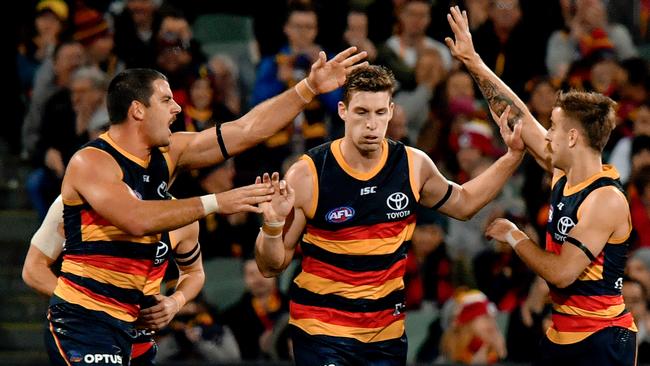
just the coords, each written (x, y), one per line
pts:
(326, 76)
(244, 199)
(280, 206)
(512, 138)
(462, 47)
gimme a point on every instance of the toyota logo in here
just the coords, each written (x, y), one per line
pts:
(565, 224)
(397, 201)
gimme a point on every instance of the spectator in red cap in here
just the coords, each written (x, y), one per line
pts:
(92, 30)
(474, 336)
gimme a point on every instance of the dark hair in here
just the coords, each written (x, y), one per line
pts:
(299, 6)
(641, 179)
(640, 143)
(593, 111)
(127, 86)
(371, 78)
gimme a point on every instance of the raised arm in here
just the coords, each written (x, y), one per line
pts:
(464, 201)
(94, 177)
(495, 91)
(195, 150)
(595, 228)
(284, 219)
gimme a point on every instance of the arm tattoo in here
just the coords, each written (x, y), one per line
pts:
(498, 101)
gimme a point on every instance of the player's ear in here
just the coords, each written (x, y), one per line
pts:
(342, 109)
(136, 109)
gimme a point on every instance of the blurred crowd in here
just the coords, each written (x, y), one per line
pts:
(67, 52)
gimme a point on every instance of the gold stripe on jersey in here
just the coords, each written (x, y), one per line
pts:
(363, 176)
(365, 335)
(112, 233)
(363, 246)
(313, 205)
(608, 171)
(143, 163)
(73, 296)
(168, 159)
(609, 312)
(410, 156)
(324, 286)
(593, 272)
(153, 287)
(72, 202)
(123, 280)
(566, 337)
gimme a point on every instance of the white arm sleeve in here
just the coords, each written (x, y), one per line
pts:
(47, 238)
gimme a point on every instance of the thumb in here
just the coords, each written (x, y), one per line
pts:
(450, 43)
(158, 297)
(320, 62)
(517, 130)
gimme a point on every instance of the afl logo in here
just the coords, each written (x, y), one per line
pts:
(564, 225)
(397, 201)
(340, 214)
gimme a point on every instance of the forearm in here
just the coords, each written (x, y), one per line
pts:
(546, 264)
(42, 282)
(189, 285)
(155, 216)
(499, 96)
(270, 254)
(479, 191)
(266, 119)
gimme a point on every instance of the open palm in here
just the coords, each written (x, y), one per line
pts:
(326, 76)
(282, 201)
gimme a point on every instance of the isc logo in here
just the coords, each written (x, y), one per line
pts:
(340, 214)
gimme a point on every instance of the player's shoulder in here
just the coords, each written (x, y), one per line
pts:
(607, 201)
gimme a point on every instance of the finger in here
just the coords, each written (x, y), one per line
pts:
(250, 208)
(517, 131)
(344, 54)
(354, 59)
(283, 187)
(275, 177)
(465, 19)
(258, 180)
(357, 66)
(266, 178)
(453, 24)
(450, 44)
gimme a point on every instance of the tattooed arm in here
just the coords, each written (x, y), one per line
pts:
(496, 92)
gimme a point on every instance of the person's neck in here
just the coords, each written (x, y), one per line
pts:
(360, 160)
(127, 137)
(410, 40)
(585, 164)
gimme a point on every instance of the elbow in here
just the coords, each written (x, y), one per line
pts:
(136, 226)
(270, 272)
(562, 280)
(27, 277)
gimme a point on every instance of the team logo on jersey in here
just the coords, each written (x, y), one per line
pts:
(161, 252)
(162, 190)
(74, 356)
(339, 214)
(565, 224)
(397, 201)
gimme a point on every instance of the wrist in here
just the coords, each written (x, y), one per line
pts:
(179, 299)
(514, 237)
(305, 90)
(272, 229)
(210, 204)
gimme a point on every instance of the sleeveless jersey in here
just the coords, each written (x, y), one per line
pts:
(104, 268)
(354, 247)
(594, 301)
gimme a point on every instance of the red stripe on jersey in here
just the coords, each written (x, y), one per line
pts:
(591, 303)
(569, 323)
(130, 309)
(373, 278)
(552, 246)
(137, 267)
(377, 231)
(91, 217)
(157, 272)
(376, 319)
